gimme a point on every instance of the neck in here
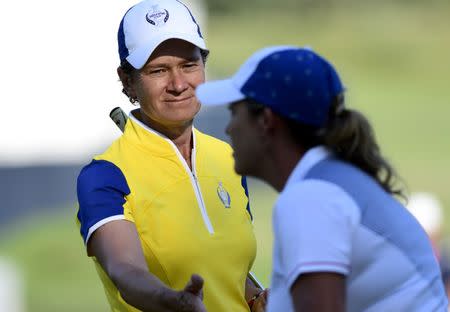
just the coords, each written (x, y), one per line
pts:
(280, 163)
(179, 134)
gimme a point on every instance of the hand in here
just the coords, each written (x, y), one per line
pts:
(190, 298)
(259, 305)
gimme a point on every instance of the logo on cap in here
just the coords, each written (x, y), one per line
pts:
(223, 195)
(157, 16)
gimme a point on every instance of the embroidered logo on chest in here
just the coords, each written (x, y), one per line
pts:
(223, 195)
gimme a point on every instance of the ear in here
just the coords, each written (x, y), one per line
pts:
(268, 121)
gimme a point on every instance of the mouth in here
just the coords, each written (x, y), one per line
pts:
(180, 100)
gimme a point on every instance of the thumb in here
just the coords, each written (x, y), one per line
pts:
(195, 285)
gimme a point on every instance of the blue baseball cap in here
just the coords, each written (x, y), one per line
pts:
(294, 82)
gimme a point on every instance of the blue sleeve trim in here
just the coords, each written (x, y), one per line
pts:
(101, 191)
(244, 185)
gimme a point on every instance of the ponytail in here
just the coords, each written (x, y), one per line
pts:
(351, 137)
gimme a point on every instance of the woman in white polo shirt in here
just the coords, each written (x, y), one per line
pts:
(342, 242)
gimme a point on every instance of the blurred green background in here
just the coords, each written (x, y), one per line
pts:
(394, 60)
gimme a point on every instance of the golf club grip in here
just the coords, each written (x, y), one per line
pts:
(254, 280)
(119, 117)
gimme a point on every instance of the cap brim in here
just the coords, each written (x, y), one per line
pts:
(140, 56)
(220, 92)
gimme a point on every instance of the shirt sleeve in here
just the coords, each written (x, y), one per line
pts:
(313, 223)
(101, 191)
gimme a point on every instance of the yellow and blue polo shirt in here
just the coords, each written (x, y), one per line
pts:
(189, 221)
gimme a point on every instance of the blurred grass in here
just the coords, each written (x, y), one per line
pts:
(262, 198)
(394, 62)
(57, 272)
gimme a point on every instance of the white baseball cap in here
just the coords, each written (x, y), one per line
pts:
(150, 22)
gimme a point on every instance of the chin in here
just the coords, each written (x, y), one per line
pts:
(239, 168)
(181, 118)
(186, 114)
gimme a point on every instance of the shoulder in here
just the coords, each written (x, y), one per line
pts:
(216, 155)
(101, 173)
(101, 191)
(316, 197)
(209, 140)
(313, 190)
(313, 223)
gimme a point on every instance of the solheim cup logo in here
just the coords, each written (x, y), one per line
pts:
(223, 195)
(157, 16)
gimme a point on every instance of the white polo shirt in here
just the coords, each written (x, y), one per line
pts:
(319, 227)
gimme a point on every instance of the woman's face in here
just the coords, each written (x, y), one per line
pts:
(165, 86)
(246, 139)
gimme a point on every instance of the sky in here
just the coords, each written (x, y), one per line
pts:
(59, 81)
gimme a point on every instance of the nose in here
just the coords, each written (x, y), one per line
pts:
(178, 82)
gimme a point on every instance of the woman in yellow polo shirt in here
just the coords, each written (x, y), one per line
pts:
(161, 211)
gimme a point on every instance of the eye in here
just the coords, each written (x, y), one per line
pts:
(190, 66)
(156, 71)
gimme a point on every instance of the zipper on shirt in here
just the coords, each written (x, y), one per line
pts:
(202, 205)
(192, 174)
(198, 192)
(195, 184)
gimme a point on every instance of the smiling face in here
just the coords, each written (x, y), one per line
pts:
(165, 86)
(244, 130)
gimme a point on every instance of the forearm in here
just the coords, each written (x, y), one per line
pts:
(319, 291)
(143, 290)
(117, 247)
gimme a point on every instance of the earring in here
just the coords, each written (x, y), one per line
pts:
(131, 99)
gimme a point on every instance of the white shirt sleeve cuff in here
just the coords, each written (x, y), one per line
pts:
(314, 267)
(102, 222)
